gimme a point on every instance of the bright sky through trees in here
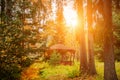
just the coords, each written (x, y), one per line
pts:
(70, 15)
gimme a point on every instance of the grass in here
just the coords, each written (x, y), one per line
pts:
(118, 70)
(100, 70)
(44, 71)
(60, 71)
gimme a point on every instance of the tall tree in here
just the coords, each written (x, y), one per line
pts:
(11, 36)
(91, 62)
(14, 32)
(117, 3)
(83, 55)
(2, 8)
(60, 28)
(109, 62)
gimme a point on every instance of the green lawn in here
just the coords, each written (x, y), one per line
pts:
(44, 71)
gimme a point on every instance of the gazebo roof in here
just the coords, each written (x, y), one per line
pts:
(61, 47)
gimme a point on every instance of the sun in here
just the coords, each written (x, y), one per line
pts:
(70, 17)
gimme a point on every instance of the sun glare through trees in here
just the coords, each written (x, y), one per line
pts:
(70, 16)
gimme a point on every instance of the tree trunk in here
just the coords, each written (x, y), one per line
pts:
(117, 3)
(83, 55)
(9, 5)
(91, 62)
(2, 7)
(109, 62)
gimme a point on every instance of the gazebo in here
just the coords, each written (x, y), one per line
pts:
(67, 53)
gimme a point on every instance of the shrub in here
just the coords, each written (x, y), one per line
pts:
(55, 58)
(10, 72)
(26, 62)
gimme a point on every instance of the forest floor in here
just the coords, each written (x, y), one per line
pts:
(43, 71)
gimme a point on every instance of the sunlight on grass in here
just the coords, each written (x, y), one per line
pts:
(44, 71)
(100, 70)
(118, 70)
(61, 70)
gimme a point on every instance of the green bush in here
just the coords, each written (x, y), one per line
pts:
(55, 58)
(10, 72)
(10, 68)
(117, 54)
(26, 62)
